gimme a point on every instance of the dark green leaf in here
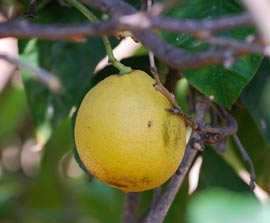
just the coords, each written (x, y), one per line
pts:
(255, 146)
(215, 172)
(224, 84)
(72, 62)
(256, 99)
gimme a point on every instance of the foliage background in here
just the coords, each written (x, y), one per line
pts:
(39, 178)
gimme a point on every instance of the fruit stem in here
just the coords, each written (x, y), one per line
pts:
(92, 18)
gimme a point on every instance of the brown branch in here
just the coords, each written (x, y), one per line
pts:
(164, 51)
(246, 158)
(24, 29)
(190, 26)
(172, 77)
(198, 28)
(230, 51)
(212, 135)
(131, 206)
(47, 78)
(119, 8)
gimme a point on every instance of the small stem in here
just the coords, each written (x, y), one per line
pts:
(92, 18)
(31, 11)
(88, 14)
(121, 67)
(246, 158)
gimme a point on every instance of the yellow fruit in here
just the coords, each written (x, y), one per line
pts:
(125, 136)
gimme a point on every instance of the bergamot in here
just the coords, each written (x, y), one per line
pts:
(125, 136)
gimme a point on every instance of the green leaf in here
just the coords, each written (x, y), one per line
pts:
(256, 99)
(223, 206)
(224, 84)
(215, 172)
(254, 144)
(72, 62)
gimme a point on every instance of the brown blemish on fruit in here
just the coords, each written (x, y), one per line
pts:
(116, 184)
(124, 183)
(149, 124)
(146, 180)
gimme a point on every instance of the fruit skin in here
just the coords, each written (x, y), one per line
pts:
(125, 136)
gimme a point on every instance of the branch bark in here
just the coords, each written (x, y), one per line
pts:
(198, 28)
(203, 29)
(160, 48)
(131, 206)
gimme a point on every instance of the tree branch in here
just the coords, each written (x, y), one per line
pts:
(24, 29)
(134, 22)
(246, 158)
(47, 78)
(164, 51)
(131, 206)
(190, 26)
(229, 49)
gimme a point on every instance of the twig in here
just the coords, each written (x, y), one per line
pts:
(158, 213)
(24, 29)
(247, 159)
(31, 11)
(175, 109)
(153, 66)
(188, 26)
(212, 135)
(44, 76)
(237, 45)
(161, 49)
(161, 8)
(131, 206)
(204, 26)
(172, 76)
(157, 192)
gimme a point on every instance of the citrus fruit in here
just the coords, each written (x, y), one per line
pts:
(125, 136)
